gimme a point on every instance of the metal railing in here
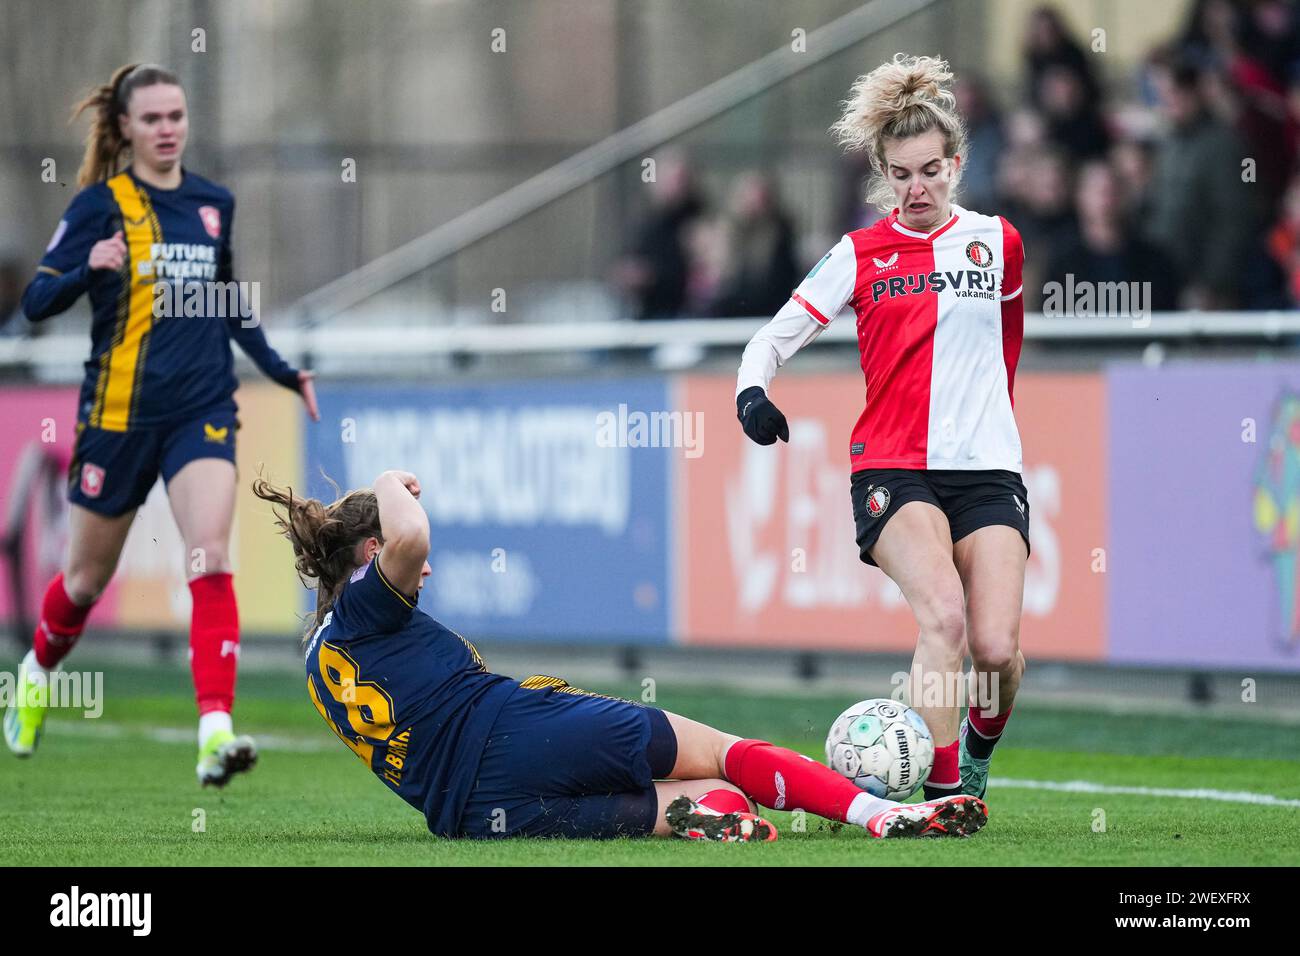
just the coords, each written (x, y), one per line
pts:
(583, 167)
(370, 341)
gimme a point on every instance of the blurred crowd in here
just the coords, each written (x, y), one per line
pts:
(1183, 173)
(1186, 178)
(688, 260)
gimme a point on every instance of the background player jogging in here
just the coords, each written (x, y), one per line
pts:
(936, 489)
(482, 755)
(158, 396)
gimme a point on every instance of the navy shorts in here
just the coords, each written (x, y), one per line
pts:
(568, 764)
(112, 472)
(970, 500)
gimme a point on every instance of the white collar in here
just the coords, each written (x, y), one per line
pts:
(893, 221)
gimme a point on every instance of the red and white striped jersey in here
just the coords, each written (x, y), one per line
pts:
(940, 321)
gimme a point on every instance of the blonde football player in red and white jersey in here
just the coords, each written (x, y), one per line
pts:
(937, 494)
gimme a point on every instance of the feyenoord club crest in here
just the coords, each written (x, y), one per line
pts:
(92, 480)
(211, 217)
(980, 254)
(877, 501)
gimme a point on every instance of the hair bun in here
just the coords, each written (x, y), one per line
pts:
(920, 84)
(903, 97)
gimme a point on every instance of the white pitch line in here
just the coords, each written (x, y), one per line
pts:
(181, 735)
(1086, 786)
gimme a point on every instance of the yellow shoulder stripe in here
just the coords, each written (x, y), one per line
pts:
(405, 600)
(542, 681)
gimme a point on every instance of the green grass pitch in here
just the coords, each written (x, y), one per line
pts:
(121, 791)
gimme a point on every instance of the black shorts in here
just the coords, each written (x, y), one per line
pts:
(970, 500)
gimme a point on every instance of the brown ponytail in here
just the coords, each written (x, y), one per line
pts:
(104, 143)
(324, 537)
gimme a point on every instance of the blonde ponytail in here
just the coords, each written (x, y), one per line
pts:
(904, 97)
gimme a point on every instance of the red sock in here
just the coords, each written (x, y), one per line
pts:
(784, 780)
(61, 624)
(214, 642)
(945, 776)
(724, 801)
(989, 728)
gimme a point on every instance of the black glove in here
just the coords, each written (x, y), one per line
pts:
(762, 421)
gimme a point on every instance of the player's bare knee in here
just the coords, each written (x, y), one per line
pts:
(997, 656)
(943, 623)
(85, 584)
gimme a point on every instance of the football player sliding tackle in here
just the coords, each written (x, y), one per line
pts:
(677, 776)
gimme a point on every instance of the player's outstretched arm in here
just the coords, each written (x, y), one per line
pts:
(405, 528)
(771, 347)
(811, 307)
(252, 339)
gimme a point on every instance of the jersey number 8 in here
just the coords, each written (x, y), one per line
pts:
(368, 719)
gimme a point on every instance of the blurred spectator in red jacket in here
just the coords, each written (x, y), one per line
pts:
(1284, 242)
(1241, 55)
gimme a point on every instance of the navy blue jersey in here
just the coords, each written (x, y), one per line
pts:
(411, 698)
(145, 370)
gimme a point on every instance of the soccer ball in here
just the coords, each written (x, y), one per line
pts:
(883, 746)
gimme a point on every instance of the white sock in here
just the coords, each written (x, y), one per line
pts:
(213, 721)
(865, 806)
(32, 666)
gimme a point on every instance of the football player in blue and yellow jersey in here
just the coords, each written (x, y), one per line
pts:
(150, 243)
(483, 755)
